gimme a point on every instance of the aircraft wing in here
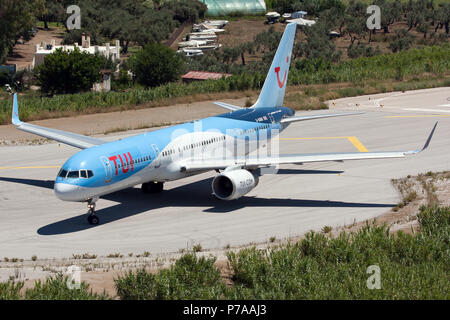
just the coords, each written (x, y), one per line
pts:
(255, 162)
(72, 139)
(227, 106)
(318, 116)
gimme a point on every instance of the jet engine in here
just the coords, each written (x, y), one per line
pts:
(230, 185)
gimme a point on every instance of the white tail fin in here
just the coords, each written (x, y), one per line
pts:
(272, 93)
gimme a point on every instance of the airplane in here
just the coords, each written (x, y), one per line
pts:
(195, 147)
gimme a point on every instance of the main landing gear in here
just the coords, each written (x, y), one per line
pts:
(152, 187)
(92, 218)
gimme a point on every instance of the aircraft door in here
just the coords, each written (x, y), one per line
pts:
(108, 169)
(157, 159)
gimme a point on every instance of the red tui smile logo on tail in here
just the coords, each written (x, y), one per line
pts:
(277, 71)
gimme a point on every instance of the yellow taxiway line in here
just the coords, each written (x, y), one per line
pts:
(421, 116)
(353, 140)
(29, 167)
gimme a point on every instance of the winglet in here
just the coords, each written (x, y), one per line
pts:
(429, 137)
(15, 112)
(427, 142)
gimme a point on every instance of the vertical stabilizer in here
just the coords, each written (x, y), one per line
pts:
(272, 93)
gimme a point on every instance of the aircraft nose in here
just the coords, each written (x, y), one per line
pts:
(66, 192)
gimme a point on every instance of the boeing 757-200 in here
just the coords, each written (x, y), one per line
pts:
(191, 148)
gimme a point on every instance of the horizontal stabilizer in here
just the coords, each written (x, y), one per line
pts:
(317, 116)
(227, 106)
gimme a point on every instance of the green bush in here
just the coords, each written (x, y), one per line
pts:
(55, 288)
(70, 72)
(155, 65)
(412, 266)
(401, 41)
(435, 59)
(10, 290)
(189, 278)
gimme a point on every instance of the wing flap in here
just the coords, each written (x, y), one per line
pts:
(252, 162)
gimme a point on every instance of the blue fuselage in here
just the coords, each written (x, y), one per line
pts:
(158, 155)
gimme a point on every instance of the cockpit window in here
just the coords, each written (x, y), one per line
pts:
(62, 173)
(86, 174)
(76, 174)
(73, 174)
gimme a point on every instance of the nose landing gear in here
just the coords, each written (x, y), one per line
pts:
(92, 218)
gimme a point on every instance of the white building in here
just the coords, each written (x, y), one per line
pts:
(44, 49)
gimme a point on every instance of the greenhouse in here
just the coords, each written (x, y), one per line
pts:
(227, 7)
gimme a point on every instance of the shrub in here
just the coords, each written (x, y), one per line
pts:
(189, 278)
(401, 41)
(55, 288)
(70, 72)
(10, 290)
(155, 65)
(412, 266)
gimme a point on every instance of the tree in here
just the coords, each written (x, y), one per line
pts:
(49, 10)
(70, 72)
(16, 17)
(401, 41)
(442, 17)
(318, 43)
(155, 65)
(335, 18)
(185, 10)
(356, 21)
(391, 11)
(423, 28)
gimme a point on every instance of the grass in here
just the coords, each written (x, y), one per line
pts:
(190, 277)
(317, 267)
(431, 59)
(50, 24)
(420, 68)
(327, 229)
(53, 288)
(412, 266)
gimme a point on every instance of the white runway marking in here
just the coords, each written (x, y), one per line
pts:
(426, 110)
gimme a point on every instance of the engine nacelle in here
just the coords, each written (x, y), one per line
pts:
(230, 185)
